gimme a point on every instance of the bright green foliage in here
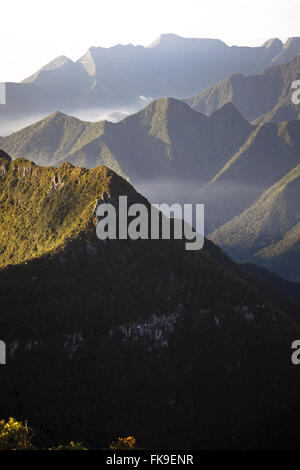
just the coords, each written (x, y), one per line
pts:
(43, 208)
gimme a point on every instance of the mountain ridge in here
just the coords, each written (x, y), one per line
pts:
(173, 153)
(167, 138)
(268, 232)
(175, 66)
(260, 98)
(270, 152)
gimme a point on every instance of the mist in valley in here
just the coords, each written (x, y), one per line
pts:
(222, 201)
(18, 121)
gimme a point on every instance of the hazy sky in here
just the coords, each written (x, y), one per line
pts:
(33, 32)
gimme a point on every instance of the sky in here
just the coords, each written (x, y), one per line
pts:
(33, 32)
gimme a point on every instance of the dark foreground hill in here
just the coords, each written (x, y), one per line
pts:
(290, 289)
(137, 337)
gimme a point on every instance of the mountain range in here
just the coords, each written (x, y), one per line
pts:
(120, 337)
(172, 153)
(260, 98)
(165, 139)
(102, 345)
(270, 152)
(126, 75)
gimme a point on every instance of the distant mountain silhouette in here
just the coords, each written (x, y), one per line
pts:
(121, 75)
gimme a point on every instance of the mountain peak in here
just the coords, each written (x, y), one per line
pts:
(57, 114)
(272, 43)
(171, 108)
(56, 63)
(293, 42)
(169, 101)
(228, 111)
(173, 40)
(165, 39)
(74, 189)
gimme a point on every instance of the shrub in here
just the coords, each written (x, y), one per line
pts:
(15, 435)
(71, 446)
(123, 443)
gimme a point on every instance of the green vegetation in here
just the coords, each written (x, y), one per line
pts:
(268, 155)
(61, 137)
(123, 443)
(269, 231)
(142, 338)
(166, 139)
(221, 161)
(15, 435)
(44, 208)
(137, 338)
(71, 446)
